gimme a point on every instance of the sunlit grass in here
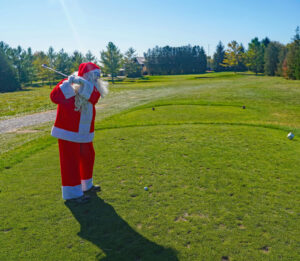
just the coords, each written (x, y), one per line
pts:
(222, 179)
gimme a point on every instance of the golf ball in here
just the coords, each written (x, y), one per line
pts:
(290, 136)
(146, 188)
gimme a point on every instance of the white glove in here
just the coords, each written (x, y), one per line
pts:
(75, 79)
(71, 79)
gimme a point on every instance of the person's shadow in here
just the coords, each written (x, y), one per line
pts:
(101, 225)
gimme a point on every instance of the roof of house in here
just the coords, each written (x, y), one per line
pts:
(140, 60)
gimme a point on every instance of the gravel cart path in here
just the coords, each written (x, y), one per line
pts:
(112, 104)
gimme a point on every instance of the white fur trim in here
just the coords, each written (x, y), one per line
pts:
(72, 136)
(86, 184)
(86, 117)
(69, 192)
(67, 89)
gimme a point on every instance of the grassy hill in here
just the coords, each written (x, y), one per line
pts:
(223, 179)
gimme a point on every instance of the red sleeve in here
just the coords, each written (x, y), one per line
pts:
(56, 95)
(94, 96)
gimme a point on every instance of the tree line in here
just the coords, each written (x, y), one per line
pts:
(269, 57)
(19, 67)
(176, 60)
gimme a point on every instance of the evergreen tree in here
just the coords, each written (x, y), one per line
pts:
(39, 59)
(271, 58)
(15, 58)
(29, 65)
(255, 56)
(111, 60)
(89, 57)
(8, 78)
(265, 42)
(5, 48)
(176, 60)
(132, 68)
(293, 57)
(63, 63)
(51, 59)
(218, 58)
(77, 58)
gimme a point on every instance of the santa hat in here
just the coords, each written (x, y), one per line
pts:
(87, 67)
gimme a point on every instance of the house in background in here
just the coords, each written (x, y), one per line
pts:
(141, 62)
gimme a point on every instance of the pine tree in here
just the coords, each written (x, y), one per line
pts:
(51, 59)
(29, 65)
(218, 58)
(77, 58)
(132, 68)
(176, 60)
(89, 57)
(293, 57)
(39, 59)
(8, 78)
(271, 58)
(255, 56)
(111, 60)
(63, 63)
(265, 42)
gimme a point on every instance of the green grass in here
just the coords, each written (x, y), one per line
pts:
(36, 98)
(29, 100)
(223, 180)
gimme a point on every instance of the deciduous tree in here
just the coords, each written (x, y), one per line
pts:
(234, 56)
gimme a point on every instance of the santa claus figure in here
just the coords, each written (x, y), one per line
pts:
(74, 127)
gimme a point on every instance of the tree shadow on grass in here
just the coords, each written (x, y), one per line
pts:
(101, 225)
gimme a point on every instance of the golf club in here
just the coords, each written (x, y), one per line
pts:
(51, 69)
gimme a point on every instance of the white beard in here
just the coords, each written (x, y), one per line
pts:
(102, 87)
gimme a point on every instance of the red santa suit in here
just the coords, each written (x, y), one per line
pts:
(75, 132)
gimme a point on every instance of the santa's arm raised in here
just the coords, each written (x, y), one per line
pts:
(62, 91)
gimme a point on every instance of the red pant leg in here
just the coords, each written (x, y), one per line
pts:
(69, 154)
(87, 159)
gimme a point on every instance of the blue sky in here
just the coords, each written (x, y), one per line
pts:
(91, 24)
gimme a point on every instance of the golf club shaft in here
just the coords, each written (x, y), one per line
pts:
(51, 69)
